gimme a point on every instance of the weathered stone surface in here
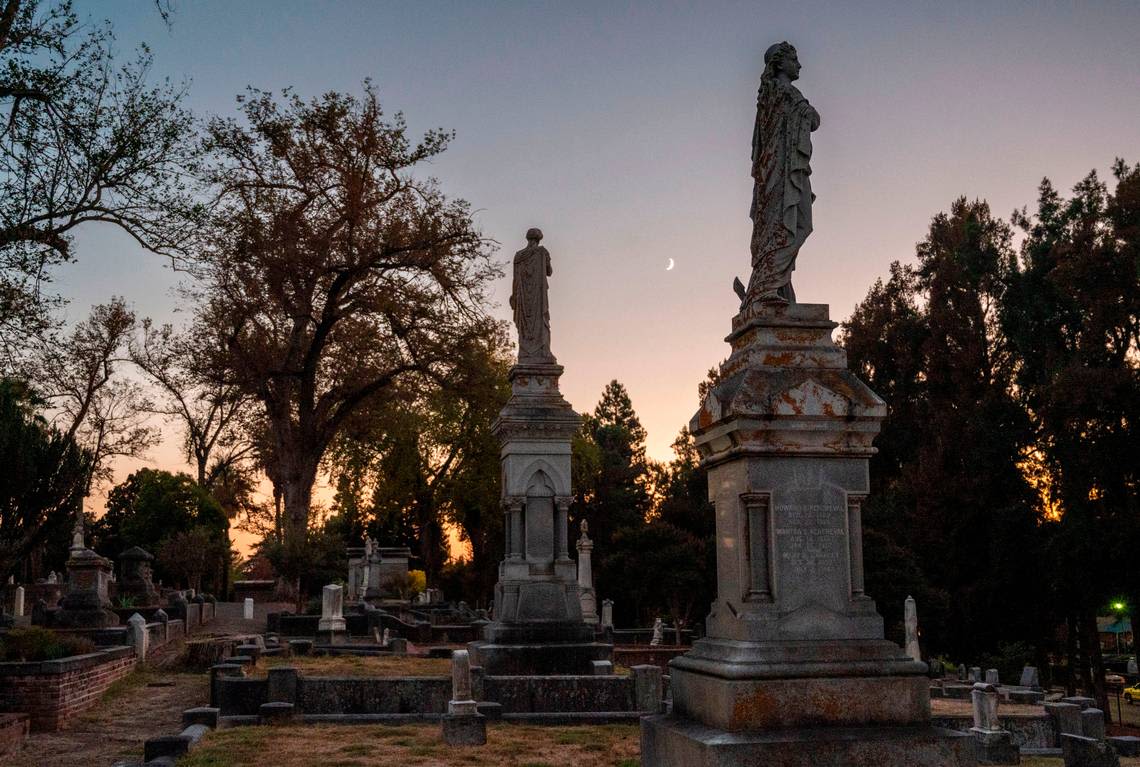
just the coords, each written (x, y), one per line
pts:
(281, 685)
(1066, 719)
(992, 676)
(671, 742)
(602, 667)
(1027, 696)
(1080, 701)
(1080, 751)
(464, 730)
(1125, 745)
(202, 715)
(276, 713)
(910, 620)
(1030, 677)
(332, 610)
(135, 577)
(1092, 723)
(995, 747)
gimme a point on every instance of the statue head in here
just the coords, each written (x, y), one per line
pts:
(533, 235)
(781, 57)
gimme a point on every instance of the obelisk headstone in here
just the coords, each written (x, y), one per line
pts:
(910, 618)
(794, 668)
(538, 626)
(586, 595)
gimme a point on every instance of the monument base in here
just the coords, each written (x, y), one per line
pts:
(669, 741)
(536, 649)
(96, 618)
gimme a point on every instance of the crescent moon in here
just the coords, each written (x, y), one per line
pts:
(669, 268)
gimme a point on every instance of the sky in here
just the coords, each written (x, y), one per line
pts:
(623, 131)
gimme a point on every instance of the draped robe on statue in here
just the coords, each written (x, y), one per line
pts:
(531, 304)
(781, 197)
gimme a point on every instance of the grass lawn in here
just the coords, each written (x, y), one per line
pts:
(388, 746)
(359, 665)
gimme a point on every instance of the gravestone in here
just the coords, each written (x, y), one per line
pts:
(1133, 668)
(331, 627)
(1030, 677)
(538, 626)
(658, 633)
(247, 609)
(140, 638)
(992, 677)
(134, 564)
(992, 744)
(794, 668)
(1092, 723)
(976, 674)
(18, 602)
(607, 613)
(586, 595)
(910, 612)
(463, 725)
(86, 603)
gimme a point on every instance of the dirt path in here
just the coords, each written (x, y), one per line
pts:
(144, 705)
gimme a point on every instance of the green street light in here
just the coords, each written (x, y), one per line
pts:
(1117, 605)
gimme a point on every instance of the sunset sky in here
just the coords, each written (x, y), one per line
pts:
(623, 131)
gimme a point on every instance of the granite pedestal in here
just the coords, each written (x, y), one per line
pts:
(794, 669)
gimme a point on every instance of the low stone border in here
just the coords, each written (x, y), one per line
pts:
(51, 692)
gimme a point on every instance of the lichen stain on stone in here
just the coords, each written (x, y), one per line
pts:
(783, 359)
(791, 402)
(754, 709)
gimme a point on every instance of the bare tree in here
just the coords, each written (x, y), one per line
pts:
(331, 272)
(88, 397)
(213, 414)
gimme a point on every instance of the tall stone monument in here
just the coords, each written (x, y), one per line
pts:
(794, 668)
(538, 626)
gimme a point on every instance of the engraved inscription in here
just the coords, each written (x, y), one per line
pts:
(811, 556)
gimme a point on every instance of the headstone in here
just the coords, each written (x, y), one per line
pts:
(607, 613)
(1125, 745)
(786, 435)
(1092, 723)
(247, 609)
(53, 577)
(538, 626)
(140, 638)
(18, 602)
(1079, 751)
(387, 637)
(160, 615)
(332, 625)
(86, 603)
(586, 595)
(1133, 669)
(463, 725)
(1066, 719)
(1030, 677)
(603, 668)
(992, 744)
(658, 633)
(134, 563)
(992, 676)
(976, 674)
(910, 611)
(963, 673)
(1081, 701)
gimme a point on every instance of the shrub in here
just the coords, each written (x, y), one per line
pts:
(29, 645)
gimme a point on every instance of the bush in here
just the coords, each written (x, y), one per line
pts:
(29, 645)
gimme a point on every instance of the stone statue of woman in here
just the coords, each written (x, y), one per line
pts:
(781, 196)
(530, 301)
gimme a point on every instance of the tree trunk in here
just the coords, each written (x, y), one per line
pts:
(1091, 637)
(1071, 654)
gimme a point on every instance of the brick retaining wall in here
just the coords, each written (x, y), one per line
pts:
(51, 692)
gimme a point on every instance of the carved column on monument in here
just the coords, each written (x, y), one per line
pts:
(587, 596)
(794, 668)
(538, 626)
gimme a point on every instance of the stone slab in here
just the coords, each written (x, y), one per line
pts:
(1079, 751)
(1125, 745)
(667, 741)
(747, 704)
(465, 730)
(539, 659)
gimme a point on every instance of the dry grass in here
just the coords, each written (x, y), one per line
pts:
(387, 746)
(360, 665)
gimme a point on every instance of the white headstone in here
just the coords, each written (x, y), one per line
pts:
(387, 636)
(607, 613)
(247, 609)
(52, 577)
(992, 676)
(1132, 667)
(911, 620)
(658, 632)
(18, 602)
(136, 626)
(985, 701)
(332, 609)
(1030, 677)
(586, 595)
(462, 702)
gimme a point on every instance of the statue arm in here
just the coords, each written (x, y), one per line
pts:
(549, 268)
